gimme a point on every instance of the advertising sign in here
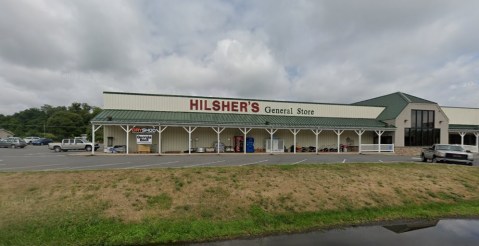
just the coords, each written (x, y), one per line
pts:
(144, 139)
(137, 130)
(166, 103)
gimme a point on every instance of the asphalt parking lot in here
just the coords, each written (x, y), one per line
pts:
(40, 158)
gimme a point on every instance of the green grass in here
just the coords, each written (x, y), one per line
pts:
(142, 207)
(90, 229)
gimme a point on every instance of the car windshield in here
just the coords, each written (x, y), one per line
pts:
(456, 148)
(443, 147)
(449, 147)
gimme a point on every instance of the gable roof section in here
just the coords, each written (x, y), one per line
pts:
(114, 116)
(394, 103)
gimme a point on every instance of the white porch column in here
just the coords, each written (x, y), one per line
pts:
(295, 132)
(339, 132)
(462, 137)
(218, 130)
(189, 130)
(316, 132)
(380, 133)
(271, 132)
(160, 130)
(245, 131)
(477, 140)
(93, 139)
(127, 130)
(360, 134)
(93, 130)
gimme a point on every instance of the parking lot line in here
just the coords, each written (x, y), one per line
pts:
(100, 165)
(299, 162)
(150, 165)
(13, 168)
(252, 163)
(202, 164)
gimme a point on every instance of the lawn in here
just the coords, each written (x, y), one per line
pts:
(118, 207)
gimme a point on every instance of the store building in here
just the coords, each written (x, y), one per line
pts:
(187, 124)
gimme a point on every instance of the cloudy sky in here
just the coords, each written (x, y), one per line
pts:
(59, 52)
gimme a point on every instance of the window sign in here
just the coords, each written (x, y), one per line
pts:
(144, 139)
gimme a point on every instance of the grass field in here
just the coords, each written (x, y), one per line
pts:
(118, 207)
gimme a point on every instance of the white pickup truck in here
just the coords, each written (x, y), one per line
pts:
(447, 153)
(73, 144)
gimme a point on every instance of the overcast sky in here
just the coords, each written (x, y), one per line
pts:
(59, 52)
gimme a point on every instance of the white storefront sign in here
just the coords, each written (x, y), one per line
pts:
(234, 106)
(144, 139)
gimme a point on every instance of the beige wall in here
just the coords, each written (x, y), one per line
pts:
(404, 121)
(182, 104)
(462, 116)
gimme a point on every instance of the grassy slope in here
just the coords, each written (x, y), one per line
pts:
(168, 205)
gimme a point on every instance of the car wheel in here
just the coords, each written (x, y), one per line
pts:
(423, 158)
(57, 149)
(434, 159)
(13, 146)
(88, 148)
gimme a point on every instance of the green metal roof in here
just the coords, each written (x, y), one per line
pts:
(394, 103)
(111, 116)
(456, 127)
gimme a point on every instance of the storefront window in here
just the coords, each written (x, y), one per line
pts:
(422, 132)
(455, 138)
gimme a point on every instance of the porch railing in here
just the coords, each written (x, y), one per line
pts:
(375, 147)
(472, 148)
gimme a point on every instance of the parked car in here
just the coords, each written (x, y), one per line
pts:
(42, 141)
(447, 153)
(73, 144)
(12, 143)
(29, 140)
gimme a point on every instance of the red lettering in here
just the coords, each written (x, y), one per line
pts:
(136, 130)
(206, 106)
(216, 105)
(234, 106)
(225, 106)
(255, 107)
(193, 104)
(243, 107)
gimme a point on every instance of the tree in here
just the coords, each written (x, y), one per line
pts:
(61, 121)
(65, 124)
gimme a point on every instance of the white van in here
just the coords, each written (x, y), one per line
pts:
(29, 140)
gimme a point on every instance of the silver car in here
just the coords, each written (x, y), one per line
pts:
(12, 143)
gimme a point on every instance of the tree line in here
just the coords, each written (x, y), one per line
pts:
(52, 122)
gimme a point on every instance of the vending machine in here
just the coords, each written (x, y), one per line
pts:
(239, 143)
(249, 145)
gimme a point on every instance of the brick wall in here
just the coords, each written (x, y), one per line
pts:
(408, 151)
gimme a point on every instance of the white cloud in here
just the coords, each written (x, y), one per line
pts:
(56, 52)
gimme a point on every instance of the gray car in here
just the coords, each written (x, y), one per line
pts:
(12, 143)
